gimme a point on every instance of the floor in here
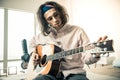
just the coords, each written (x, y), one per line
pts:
(91, 75)
(13, 77)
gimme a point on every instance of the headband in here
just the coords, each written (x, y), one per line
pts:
(46, 8)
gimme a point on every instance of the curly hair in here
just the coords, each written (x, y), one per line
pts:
(60, 9)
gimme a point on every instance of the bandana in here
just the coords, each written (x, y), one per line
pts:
(46, 8)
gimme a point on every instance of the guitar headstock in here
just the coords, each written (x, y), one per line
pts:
(100, 47)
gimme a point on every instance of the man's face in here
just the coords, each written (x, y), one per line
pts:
(53, 18)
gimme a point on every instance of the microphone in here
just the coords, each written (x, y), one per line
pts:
(24, 46)
(25, 58)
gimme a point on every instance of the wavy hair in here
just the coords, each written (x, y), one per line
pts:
(40, 14)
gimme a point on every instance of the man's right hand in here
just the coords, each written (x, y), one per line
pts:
(35, 58)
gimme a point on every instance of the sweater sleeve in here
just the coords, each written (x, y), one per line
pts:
(87, 58)
(32, 45)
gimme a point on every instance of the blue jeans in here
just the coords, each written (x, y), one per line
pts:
(70, 77)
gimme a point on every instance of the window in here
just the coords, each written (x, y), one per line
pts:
(1, 33)
(15, 64)
(20, 26)
(14, 27)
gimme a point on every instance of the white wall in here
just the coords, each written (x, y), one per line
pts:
(25, 5)
(99, 18)
(28, 5)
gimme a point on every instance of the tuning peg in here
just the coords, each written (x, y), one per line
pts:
(105, 49)
(104, 42)
(98, 44)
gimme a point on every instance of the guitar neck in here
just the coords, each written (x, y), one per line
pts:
(101, 47)
(64, 53)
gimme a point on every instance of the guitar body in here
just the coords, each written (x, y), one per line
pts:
(48, 67)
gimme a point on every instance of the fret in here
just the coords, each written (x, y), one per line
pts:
(77, 50)
(56, 56)
(63, 54)
(72, 51)
(68, 52)
(59, 55)
(80, 49)
(50, 57)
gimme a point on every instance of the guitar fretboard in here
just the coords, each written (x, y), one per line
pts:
(101, 47)
(64, 53)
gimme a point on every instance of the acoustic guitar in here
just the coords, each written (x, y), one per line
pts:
(51, 55)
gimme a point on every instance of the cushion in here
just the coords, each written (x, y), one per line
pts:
(116, 63)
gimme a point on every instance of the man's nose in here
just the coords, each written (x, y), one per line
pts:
(54, 19)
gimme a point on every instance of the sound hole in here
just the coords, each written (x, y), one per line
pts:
(43, 60)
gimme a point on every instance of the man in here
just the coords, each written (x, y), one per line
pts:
(55, 30)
